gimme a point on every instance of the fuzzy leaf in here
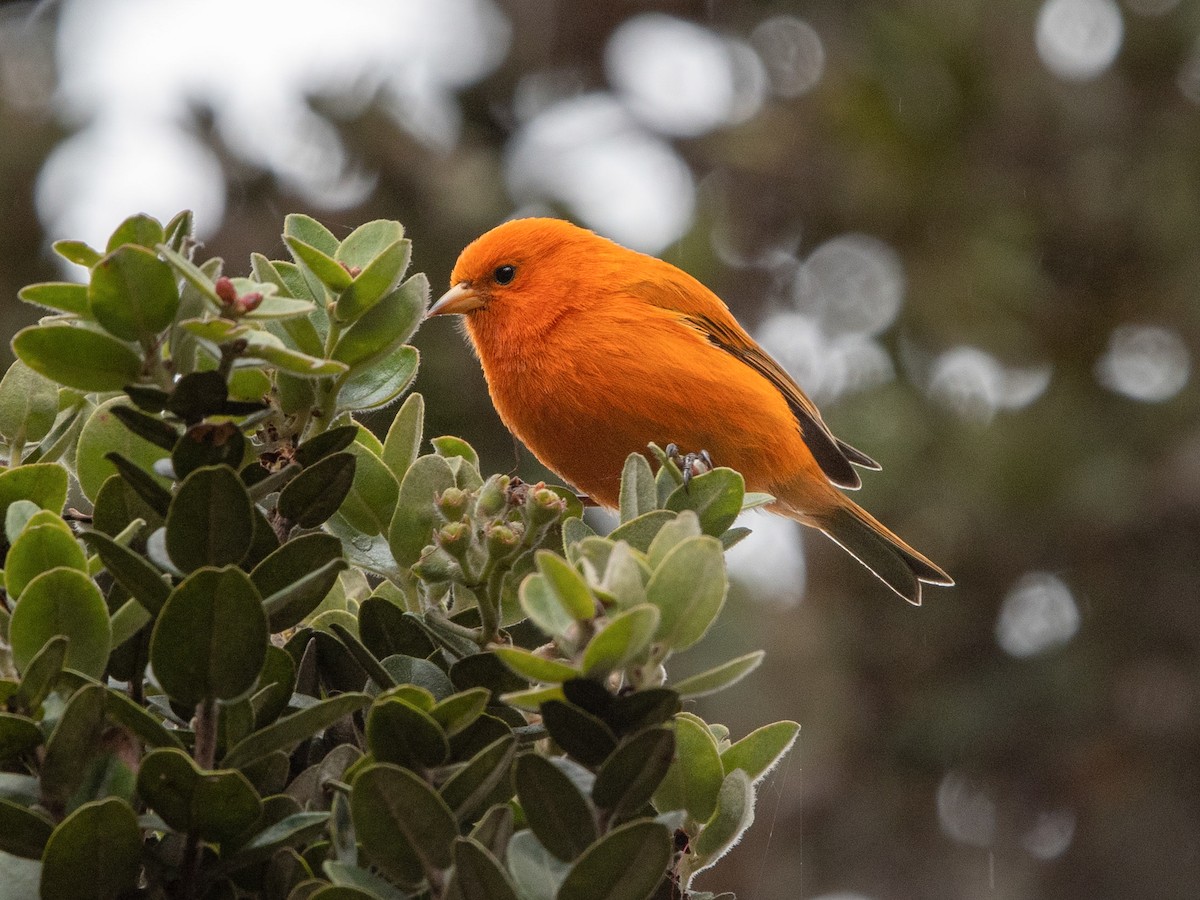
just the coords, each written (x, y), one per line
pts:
(77, 357)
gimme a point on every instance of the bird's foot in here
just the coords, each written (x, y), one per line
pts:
(690, 464)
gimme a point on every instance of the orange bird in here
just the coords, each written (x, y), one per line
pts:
(591, 351)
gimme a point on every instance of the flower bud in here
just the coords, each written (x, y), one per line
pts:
(544, 506)
(225, 290)
(435, 565)
(503, 539)
(493, 496)
(455, 538)
(452, 503)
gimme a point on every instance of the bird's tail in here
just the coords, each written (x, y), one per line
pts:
(874, 545)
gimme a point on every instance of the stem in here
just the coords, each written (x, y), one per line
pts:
(205, 754)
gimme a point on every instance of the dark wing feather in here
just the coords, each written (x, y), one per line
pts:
(832, 455)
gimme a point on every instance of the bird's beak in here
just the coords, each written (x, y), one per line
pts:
(462, 298)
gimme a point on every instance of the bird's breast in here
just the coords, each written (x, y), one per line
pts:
(585, 396)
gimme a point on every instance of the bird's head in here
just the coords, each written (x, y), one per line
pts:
(520, 270)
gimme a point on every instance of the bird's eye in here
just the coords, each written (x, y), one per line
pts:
(504, 274)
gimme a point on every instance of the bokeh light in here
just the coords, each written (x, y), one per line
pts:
(135, 71)
(825, 366)
(589, 154)
(680, 78)
(1145, 362)
(792, 52)
(974, 385)
(769, 563)
(854, 282)
(1038, 614)
(1079, 39)
(966, 810)
(1050, 835)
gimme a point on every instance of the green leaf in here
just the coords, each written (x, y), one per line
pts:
(689, 589)
(621, 641)
(206, 444)
(197, 395)
(400, 733)
(120, 708)
(639, 533)
(139, 229)
(381, 383)
(478, 874)
(631, 775)
(289, 731)
(534, 667)
(218, 805)
(719, 677)
(686, 525)
(103, 433)
(62, 601)
(297, 828)
(327, 270)
(641, 709)
(210, 639)
(759, 751)
(42, 483)
(450, 447)
(567, 585)
(325, 444)
(638, 494)
(28, 404)
(60, 296)
(371, 502)
(386, 630)
(18, 735)
(695, 775)
(420, 672)
(38, 549)
(379, 277)
(715, 496)
(363, 884)
(77, 357)
(316, 493)
(578, 732)
(456, 712)
(535, 871)
(309, 230)
(17, 517)
(386, 325)
(151, 428)
(733, 815)
(416, 515)
(73, 743)
(625, 864)
(77, 252)
(22, 833)
(210, 521)
(95, 853)
(179, 229)
(403, 442)
(367, 241)
(295, 578)
(132, 294)
(149, 491)
(404, 826)
(557, 812)
(40, 675)
(543, 607)
(467, 790)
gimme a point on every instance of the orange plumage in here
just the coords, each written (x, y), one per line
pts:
(591, 351)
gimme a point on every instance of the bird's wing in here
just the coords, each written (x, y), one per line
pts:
(707, 315)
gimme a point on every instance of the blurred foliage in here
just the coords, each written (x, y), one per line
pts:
(1033, 216)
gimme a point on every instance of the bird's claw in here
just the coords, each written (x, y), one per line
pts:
(690, 464)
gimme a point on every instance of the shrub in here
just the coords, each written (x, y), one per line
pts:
(282, 658)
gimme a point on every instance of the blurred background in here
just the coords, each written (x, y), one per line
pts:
(971, 230)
